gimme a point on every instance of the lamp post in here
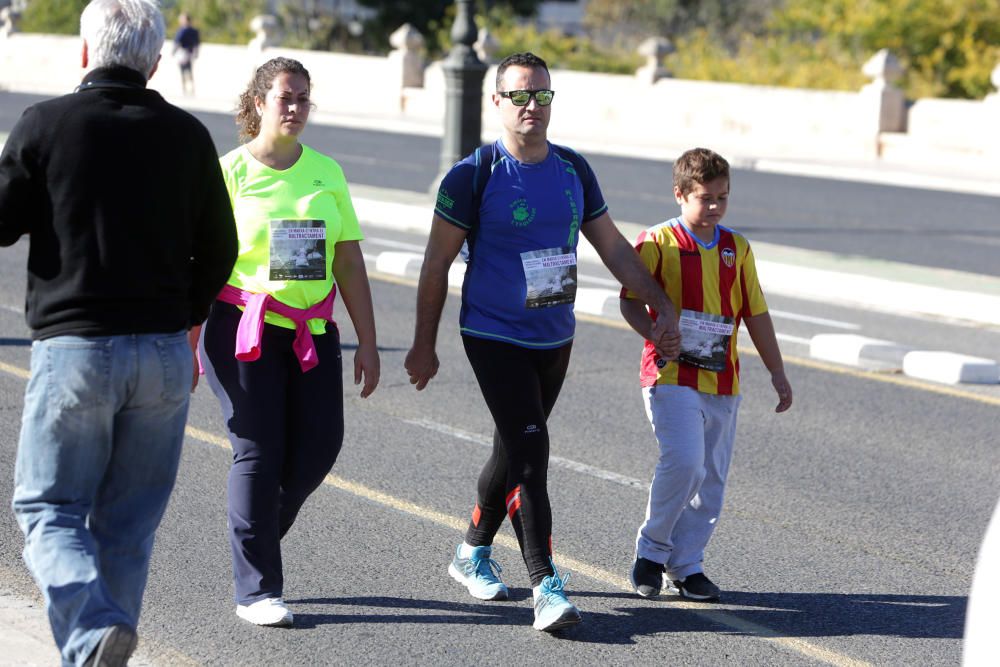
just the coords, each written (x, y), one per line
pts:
(463, 76)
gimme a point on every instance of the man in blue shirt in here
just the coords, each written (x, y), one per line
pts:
(522, 227)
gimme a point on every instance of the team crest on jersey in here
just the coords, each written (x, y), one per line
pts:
(521, 214)
(728, 257)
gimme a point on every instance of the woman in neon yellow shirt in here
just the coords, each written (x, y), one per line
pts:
(270, 347)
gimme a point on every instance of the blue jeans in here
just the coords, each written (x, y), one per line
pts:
(100, 444)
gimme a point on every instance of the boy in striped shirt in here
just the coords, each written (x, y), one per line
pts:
(708, 272)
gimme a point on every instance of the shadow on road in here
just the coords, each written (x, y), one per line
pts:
(809, 614)
(799, 615)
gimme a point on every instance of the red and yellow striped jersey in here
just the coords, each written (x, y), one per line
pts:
(718, 278)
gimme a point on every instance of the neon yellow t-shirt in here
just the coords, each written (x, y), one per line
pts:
(289, 223)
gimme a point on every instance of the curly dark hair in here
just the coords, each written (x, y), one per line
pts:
(525, 59)
(246, 113)
(698, 166)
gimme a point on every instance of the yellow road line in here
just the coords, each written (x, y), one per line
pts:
(899, 380)
(16, 371)
(570, 564)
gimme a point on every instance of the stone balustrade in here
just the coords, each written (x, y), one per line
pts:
(650, 110)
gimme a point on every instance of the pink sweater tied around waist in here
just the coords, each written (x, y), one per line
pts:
(251, 326)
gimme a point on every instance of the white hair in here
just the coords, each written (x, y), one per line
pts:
(127, 33)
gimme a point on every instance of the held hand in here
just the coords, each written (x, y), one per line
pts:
(367, 365)
(421, 364)
(784, 390)
(194, 333)
(665, 336)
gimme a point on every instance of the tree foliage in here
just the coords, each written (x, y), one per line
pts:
(560, 51)
(770, 60)
(948, 48)
(221, 21)
(635, 19)
(60, 17)
(433, 18)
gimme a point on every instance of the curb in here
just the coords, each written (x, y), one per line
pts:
(882, 355)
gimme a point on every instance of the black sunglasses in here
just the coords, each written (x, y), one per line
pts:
(520, 98)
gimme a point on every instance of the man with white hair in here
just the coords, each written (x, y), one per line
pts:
(131, 238)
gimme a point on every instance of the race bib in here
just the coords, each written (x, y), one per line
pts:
(705, 339)
(550, 275)
(298, 250)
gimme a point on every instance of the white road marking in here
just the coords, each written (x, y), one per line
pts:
(399, 245)
(788, 338)
(558, 461)
(836, 324)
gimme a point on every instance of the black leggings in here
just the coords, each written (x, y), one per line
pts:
(520, 386)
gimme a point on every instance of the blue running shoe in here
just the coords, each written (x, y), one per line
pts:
(479, 573)
(553, 611)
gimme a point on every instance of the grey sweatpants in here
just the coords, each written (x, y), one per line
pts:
(695, 432)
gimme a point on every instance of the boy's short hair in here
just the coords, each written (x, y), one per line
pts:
(698, 166)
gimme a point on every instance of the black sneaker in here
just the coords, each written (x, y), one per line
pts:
(647, 577)
(696, 587)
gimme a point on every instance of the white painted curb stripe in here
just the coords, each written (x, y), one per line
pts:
(593, 300)
(875, 354)
(397, 263)
(950, 367)
(885, 295)
(857, 350)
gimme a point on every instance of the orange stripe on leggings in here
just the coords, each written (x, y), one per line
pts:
(514, 501)
(476, 515)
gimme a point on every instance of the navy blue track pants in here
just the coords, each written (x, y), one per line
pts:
(286, 428)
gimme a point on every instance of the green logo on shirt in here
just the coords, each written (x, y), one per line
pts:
(521, 215)
(444, 201)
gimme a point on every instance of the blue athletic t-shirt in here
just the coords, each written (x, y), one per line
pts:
(520, 282)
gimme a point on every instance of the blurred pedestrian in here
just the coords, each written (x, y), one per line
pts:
(130, 241)
(186, 44)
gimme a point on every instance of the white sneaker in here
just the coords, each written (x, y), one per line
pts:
(269, 611)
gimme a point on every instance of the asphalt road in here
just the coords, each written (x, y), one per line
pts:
(922, 227)
(851, 522)
(848, 537)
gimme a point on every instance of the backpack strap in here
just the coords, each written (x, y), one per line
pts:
(485, 155)
(580, 166)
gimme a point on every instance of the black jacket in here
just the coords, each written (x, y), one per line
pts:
(130, 224)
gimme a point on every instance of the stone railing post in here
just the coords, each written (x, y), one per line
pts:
(991, 107)
(8, 21)
(407, 58)
(994, 97)
(486, 45)
(265, 28)
(654, 50)
(884, 104)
